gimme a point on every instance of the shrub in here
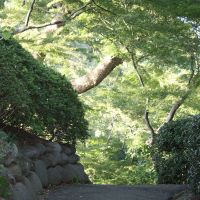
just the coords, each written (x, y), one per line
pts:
(4, 188)
(5, 145)
(178, 152)
(34, 97)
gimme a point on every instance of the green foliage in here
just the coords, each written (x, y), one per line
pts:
(5, 145)
(2, 3)
(4, 188)
(36, 98)
(112, 163)
(178, 145)
(162, 36)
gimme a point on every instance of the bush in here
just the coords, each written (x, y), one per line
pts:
(5, 145)
(36, 98)
(4, 188)
(178, 152)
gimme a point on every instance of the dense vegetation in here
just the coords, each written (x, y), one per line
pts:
(115, 163)
(178, 145)
(36, 98)
(157, 83)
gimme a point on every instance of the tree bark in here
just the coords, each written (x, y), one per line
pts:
(96, 76)
(176, 106)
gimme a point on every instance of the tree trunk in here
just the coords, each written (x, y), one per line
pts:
(97, 75)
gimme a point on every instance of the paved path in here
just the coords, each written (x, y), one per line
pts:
(111, 192)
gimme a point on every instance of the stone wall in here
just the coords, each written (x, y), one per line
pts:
(30, 168)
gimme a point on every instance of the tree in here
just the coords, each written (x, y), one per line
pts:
(139, 32)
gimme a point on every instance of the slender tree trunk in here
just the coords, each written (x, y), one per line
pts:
(96, 76)
(142, 83)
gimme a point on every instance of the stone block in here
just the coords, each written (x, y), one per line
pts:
(30, 189)
(30, 152)
(20, 192)
(15, 170)
(12, 155)
(41, 171)
(74, 173)
(73, 159)
(54, 147)
(68, 149)
(64, 159)
(41, 148)
(9, 160)
(36, 183)
(52, 159)
(26, 165)
(55, 175)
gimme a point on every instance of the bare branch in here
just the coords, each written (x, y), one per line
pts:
(176, 106)
(29, 14)
(146, 117)
(192, 69)
(178, 103)
(97, 5)
(135, 65)
(146, 112)
(137, 72)
(79, 11)
(17, 31)
(59, 23)
(23, 2)
(141, 58)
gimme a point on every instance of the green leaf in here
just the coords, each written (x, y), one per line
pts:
(6, 34)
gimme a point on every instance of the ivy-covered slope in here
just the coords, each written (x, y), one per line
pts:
(36, 98)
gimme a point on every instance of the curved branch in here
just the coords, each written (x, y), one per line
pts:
(23, 2)
(178, 103)
(192, 69)
(59, 23)
(17, 31)
(137, 72)
(29, 13)
(96, 76)
(79, 11)
(146, 112)
(97, 5)
(135, 66)
(146, 117)
(176, 106)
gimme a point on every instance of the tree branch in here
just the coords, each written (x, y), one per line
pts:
(59, 23)
(97, 5)
(17, 31)
(176, 106)
(96, 76)
(29, 14)
(146, 112)
(192, 69)
(23, 2)
(135, 67)
(146, 117)
(79, 11)
(141, 58)
(178, 103)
